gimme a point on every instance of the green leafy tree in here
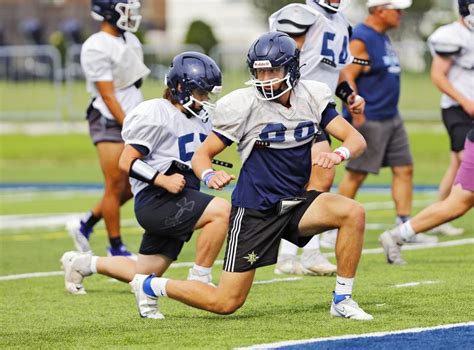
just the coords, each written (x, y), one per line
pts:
(200, 33)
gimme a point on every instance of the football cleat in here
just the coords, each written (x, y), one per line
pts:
(121, 251)
(315, 263)
(147, 305)
(79, 234)
(76, 266)
(447, 229)
(288, 265)
(348, 308)
(392, 248)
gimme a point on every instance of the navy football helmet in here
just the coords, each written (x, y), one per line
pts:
(273, 50)
(466, 10)
(124, 14)
(194, 74)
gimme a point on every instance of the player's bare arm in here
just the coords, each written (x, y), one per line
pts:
(106, 91)
(202, 166)
(350, 74)
(132, 163)
(353, 144)
(439, 75)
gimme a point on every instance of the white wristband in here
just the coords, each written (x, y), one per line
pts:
(343, 152)
(205, 172)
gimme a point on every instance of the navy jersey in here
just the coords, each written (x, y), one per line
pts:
(380, 87)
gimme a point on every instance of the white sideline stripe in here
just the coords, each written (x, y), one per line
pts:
(277, 280)
(453, 243)
(60, 219)
(355, 336)
(414, 284)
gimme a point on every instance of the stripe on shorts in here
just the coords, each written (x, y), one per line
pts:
(234, 234)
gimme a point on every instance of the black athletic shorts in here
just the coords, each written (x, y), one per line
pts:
(168, 219)
(458, 124)
(102, 129)
(254, 235)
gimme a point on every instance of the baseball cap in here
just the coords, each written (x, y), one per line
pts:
(390, 4)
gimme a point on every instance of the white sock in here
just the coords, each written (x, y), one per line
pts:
(313, 244)
(406, 231)
(343, 285)
(93, 266)
(288, 248)
(158, 284)
(201, 270)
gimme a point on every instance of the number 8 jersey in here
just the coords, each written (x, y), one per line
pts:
(274, 142)
(325, 51)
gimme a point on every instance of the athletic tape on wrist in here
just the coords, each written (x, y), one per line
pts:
(343, 152)
(143, 171)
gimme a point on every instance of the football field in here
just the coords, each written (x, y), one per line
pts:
(61, 170)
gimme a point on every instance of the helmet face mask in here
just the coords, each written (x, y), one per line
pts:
(277, 53)
(331, 5)
(123, 14)
(194, 80)
(466, 10)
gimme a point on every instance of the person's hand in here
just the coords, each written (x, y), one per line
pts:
(356, 104)
(172, 183)
(217, 180)
(327, 160)
(358, 120)
(468, 106)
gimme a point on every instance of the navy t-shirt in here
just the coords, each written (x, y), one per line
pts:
(380, 87)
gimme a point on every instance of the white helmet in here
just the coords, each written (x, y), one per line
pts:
(294, 19)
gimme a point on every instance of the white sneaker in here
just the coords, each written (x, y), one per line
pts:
(288, 265)
(447, 229)
(328, 239)
(81, 241)
(147, 305)
(194, 275)
(348, 308)
(76, 266)
(422, 238)
(392, 248)
(315, 263)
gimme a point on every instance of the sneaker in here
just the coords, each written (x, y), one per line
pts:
(76, 266)
(194, 275)
(315, 263)
(328, 239)
(348, 308)
(447, 229)
(121, 251)
(79, 234)
(392, 248)
(146, 304)
(288, 265)
(422, 238)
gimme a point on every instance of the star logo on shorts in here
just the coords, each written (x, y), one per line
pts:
(252, 258)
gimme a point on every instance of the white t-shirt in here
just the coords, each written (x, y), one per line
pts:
(105, 57)
(457, 42)
(325, 51)
(167, 134)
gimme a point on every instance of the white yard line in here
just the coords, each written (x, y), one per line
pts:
(278, 280)
(354, 336)
(414, 284)
(457, 242)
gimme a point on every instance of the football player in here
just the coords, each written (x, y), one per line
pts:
(322, 34)
(452, 71)
(112, 61)
(273, 123)
(161, 136)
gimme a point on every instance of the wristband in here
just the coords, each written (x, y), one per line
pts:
(206, 175)
(143, 171)
(343, 91)
(343, 152)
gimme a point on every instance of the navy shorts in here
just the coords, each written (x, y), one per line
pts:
(168, 219)
(254, 235)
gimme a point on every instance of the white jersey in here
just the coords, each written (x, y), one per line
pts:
(243, 118)
(457, 41)
(167, 134)
(325, 51)
(105, 57)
